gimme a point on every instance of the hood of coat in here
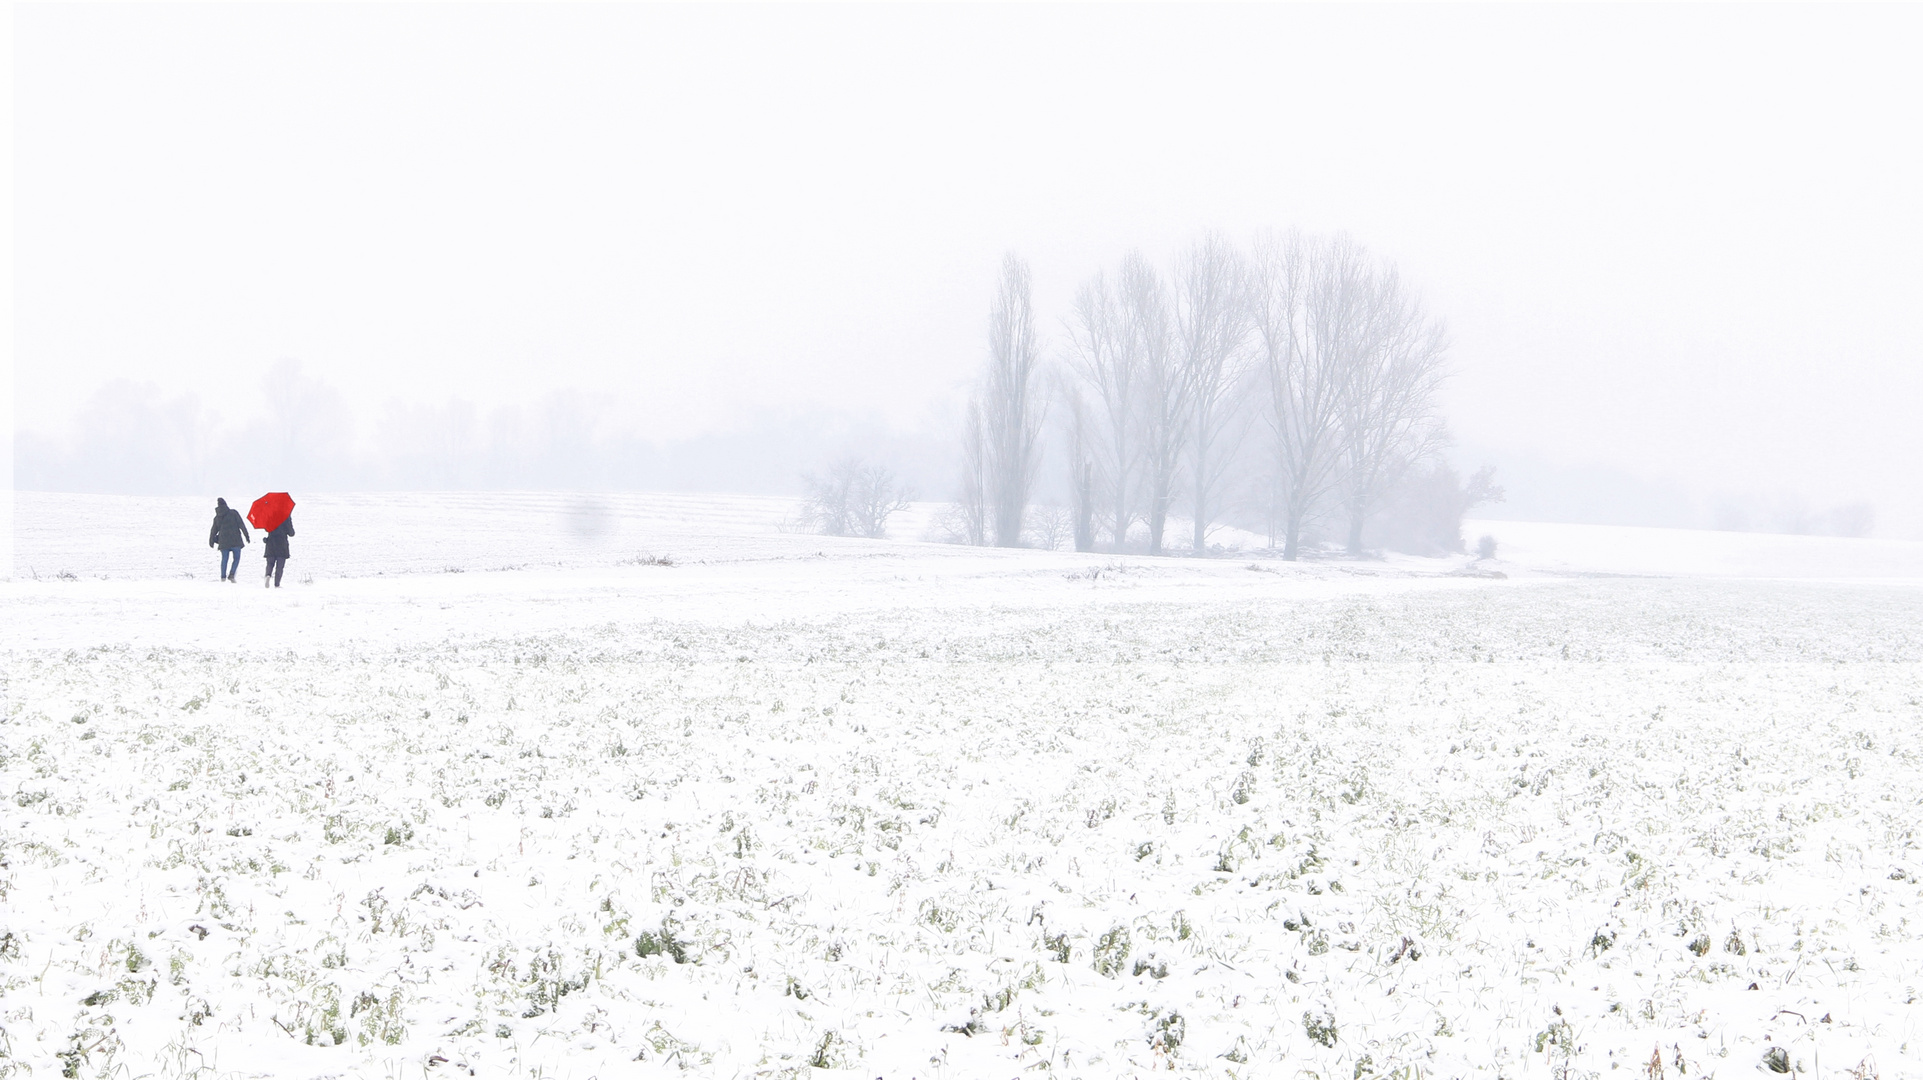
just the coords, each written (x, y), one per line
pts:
(220, 504)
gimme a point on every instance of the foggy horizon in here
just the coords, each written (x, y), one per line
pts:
(568, 442)
(1674, 249)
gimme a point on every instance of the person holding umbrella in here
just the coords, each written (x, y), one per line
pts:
(229, 534)
(273, 513)
(276, 546)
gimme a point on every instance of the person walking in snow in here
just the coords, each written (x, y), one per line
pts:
(229, 534)
(275, 544)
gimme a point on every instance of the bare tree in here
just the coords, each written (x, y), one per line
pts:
(1108, 370)
(1162, 417)
(1388, 405)
(854, 499)
(972, 507)
(1011, 403)
(828, 507)
(1212, 326)
(878, 496)
(1049, 526)
(1303, 300)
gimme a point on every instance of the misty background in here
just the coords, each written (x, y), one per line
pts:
(1678, 251)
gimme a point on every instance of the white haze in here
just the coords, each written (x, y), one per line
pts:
(1679, 250)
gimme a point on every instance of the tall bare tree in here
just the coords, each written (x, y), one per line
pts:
(1146, 338)
(1108, 374)
(1211, 329)
(1305, 300)
(1011, 402)
(1389, 421)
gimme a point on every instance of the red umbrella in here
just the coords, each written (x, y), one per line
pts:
(270, 510)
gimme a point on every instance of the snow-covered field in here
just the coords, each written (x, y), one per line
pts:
(638, 785)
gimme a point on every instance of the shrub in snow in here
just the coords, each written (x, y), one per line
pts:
(1423, 514)
(1049, 527)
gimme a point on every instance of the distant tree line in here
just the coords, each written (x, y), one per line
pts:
(141, 438)
(1294, 382)
(1782, 514)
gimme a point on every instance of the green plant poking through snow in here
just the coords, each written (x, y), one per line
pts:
(662, 942)
(1110, 954)
(1320, 1028)
(379, 1017)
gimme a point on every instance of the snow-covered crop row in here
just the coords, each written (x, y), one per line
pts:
(1553, 830)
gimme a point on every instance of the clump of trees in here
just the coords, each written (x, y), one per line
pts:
(1295, 380)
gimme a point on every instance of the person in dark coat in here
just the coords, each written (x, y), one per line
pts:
(229, 534)
(275, 544)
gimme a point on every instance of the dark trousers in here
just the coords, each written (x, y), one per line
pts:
(227, 571)
(275, 564)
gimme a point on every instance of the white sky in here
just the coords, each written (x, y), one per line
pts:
(1684, 242)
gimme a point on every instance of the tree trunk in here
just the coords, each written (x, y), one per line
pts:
(1085, 509)
(1356, 518)
(1291, 536)
(1157, 518)
(1008, 523)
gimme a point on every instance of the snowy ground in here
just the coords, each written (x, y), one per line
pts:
(489, 788)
